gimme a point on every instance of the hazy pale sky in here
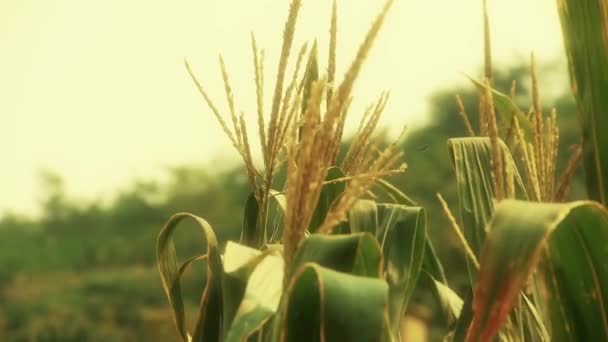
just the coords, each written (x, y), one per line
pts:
(97, 91)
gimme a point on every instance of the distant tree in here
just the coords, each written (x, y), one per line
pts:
(53, 200)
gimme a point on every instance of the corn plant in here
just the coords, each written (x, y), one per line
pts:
(320, 260)
(536, 265)
(585, 28)
(316, 260)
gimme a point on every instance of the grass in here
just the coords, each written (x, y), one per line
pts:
(101, 305)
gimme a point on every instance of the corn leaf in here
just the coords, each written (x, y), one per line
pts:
(575, 235)
(431, 263)
(329, 194)
(535, 320)
(585, 28)
(577, 276)
(449, 302)
(506, 109)
(239, 263)
(357, 254)
(276, 212)
(464, 320)
(233, 290)
(473, 166)
(402, 233)
(240, 260)
(251, 234)
(393, 192)
(208, 324)
(363, 217)
(261, 298)
(326, 305)
(186, 264)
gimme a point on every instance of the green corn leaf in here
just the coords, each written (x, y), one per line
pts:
(585, 28)
(251, 234)
(506, 109)
(473, 166)
(577, 275)
(261, 298)
(325, 305)
(449, 302)
(329, 194)
(357, 254)
(393, 192)
(239, 262)
(278, 205)
(535, 322)
(233, 290)
(402, 233)
(464, 320)
(575, 235)
(208, 324)
(431, 262)
(186, 264)
(364, 217)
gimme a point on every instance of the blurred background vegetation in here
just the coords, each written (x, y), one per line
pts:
(86, 271)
